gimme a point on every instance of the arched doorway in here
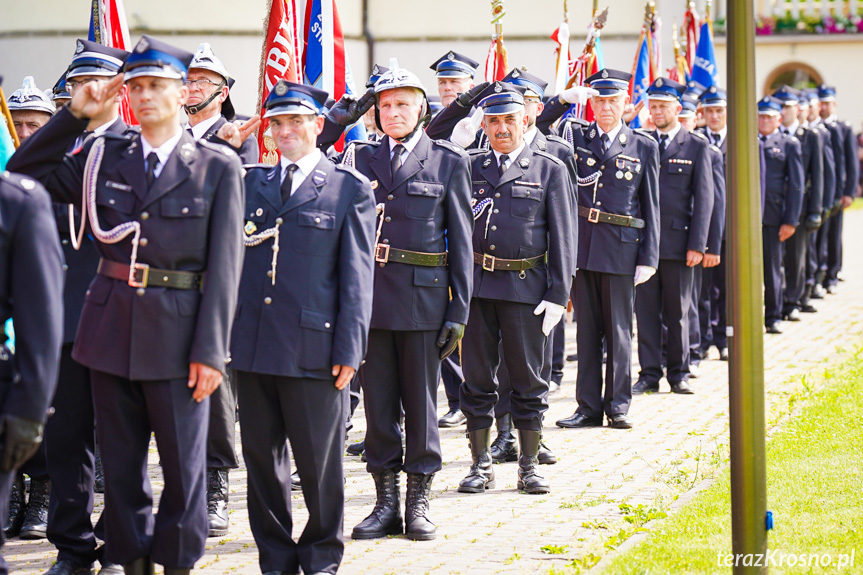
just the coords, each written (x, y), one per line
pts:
(794, 74)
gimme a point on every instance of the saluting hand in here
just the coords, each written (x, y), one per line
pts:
(630, 111)
(235, 133)
(93, 98)
(343, 374)
(693, 258)
(204, 379)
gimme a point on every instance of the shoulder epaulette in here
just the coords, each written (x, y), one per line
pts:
(226, 150)
(558, 139)
(365, 143)
(349, 170)
(262, 166)
(19, 181)
(446, 144)
(551, 157)
(476, 151)
(715, 148)
(644, 132)
(700, 135)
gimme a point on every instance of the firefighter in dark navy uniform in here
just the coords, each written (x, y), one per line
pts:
(686, 208)
(618, 248)
(300, 333)
(423, 275)
(522, 246)
(166, 213)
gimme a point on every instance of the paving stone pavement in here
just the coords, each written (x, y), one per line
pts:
(674, 441)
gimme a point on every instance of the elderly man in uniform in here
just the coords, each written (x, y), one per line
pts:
(70, 432)
(421, 294)
(301, 330)
(31, 295)
(782, 205)
(156, 321)
(812, 156)
(618, 248)
(685, 209)
(522, 276)
(31, 108)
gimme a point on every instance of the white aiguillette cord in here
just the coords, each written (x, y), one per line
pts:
(257, 239)
(88, 209)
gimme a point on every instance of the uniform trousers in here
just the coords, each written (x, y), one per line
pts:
(834, 249)
(718, 318)
(452, 375)
(696, 307)
(514, 327)
(773, 250)
(667, 295)
(552, 369)
(127, 412)
(604, 317)
(6, 479)
(70, 438)
(402, 369)
(221, 436)
(795, 270)
(310, 414)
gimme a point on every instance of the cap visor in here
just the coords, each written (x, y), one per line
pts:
(90, 71)
(154, 71)
(290, 109)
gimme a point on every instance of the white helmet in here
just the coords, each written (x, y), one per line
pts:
(397, 77)
(205, 59)
(29, 97)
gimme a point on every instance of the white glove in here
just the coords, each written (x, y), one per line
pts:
(553, 314)
(643, 273)
(464, 132)
(578, 94)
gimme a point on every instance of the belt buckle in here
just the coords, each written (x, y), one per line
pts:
(593, 216)
(488, 262)
(382, 253)
(145, 275)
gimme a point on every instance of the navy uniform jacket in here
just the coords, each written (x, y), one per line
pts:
(318, 312)
(554, 108)
(31, 285)
(828, 163)
(837, 138)
(717, 220)
(608, 248)
(851, 160)
(427, 209)
(785, 180)
(248, 151)
(812, 156)
(685, 195)
(531, 215)
(192, 220)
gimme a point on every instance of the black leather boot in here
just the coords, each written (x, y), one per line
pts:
(36, 519)
(98, 475)
(357, 448)
(481, 474)
(140, 566)
(529, 479)
(17, 508)
(296, 482)
(418, 526)
(217, 502)
(386, 518)
(504, 449)
(545, 455)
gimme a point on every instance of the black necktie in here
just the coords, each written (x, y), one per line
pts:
(663, 143)
(152, 162)
(501, 167)
(605, 142)
(763, 138)
(396, 162)
(287, 183)
(716, 137)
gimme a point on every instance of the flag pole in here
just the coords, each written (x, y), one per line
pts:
(749, 520)
(8, 115)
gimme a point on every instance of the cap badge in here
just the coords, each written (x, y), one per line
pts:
(376, 70)
(450, 56)
(515, 74)
(143, 46)
(498, 88)
(659, 82)
(712, 89)
(605, 73)
(79, 47)
(281, 89)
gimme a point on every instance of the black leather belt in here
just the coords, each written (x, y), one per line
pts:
(384, 253)
(145, 276)
(594, 216)
(491, 263)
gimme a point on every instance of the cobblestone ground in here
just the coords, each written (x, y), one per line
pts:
(675, 442)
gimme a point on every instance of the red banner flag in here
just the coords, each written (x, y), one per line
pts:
(108, 27)
(279, 61)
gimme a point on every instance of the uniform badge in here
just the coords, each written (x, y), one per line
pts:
(515, 73)
(281, 89)
(628, 175)
(592, 134)
(524, 162)
(80, 47)
(481, 191)
(576, 156)
(28, 184)
(250, 228)
(605, 73)
(620, 163)
(637, 168)
(374, 184)
(259, 212)
(622, 138)
(619, 175)
(319, 177)
(658, 83)
(498, 88)
(376, 70)
(143, 46)
(187, 149)
(591, 161)
(450, 56)
(486, 163)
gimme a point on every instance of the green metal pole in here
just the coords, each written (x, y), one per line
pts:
(745, 298)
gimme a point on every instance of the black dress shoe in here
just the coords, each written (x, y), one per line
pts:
(545, 456)
(774, 328)
(809, 308)
(577, 420)
(17, 508)
(217, 502)
(681, 387)
(504, 447)
(36, 518)
(619, 421)
(357, 448)
(572, 357)
(643, 386)
(453, 418)
(723, 354)
(792, 315)
(296, 485)
(66, 567)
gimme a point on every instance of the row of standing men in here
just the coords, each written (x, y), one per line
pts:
(649, 205)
